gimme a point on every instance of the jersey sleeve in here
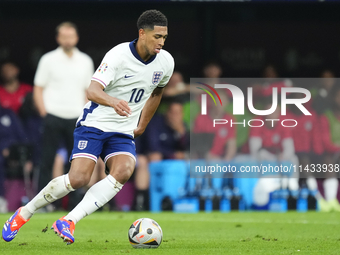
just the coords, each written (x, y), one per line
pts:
(168, 73)
(42, 73)
(107, 69)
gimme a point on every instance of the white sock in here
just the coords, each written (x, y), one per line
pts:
(97, 196)
(330, 187)
(313, 186)
(54, 190)
(293, 183)
(311, 183)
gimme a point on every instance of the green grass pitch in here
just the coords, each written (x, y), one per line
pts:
(202, 233)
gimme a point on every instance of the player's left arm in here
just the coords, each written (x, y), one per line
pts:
(149, 110)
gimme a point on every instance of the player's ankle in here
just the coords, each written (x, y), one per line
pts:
(70, 217)
(25, 213)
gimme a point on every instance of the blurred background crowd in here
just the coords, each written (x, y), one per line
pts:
(206, 40)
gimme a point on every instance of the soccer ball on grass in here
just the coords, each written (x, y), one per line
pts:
(145, 233)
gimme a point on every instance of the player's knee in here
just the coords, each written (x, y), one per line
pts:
(122, 173)
(79, 180)
(125, 175)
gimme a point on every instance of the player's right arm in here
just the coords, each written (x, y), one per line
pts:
(96, 94)
(103, 76)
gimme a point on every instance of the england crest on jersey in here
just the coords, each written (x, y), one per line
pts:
(82, 145)
(156, 78)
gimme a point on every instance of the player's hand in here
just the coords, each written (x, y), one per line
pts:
(137, 132)
(121, 107)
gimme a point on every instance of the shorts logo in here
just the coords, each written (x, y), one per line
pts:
(156, 78)
(82, 145)
(103, 67)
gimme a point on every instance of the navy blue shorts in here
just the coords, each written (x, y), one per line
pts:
(91, 143)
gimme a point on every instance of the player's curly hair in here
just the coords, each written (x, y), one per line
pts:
(151, 18)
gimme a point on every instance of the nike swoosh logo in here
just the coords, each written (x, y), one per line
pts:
(46, 199)
(96, 204)
(128, 76)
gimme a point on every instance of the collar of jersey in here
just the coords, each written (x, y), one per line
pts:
(135, 53)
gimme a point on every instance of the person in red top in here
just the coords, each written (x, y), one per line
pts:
(12, 91)
(329, 125)
(330, 136)
(272, 138)
(307, 142)
(306, 134)
(272, 142)
(322, 95)
(224, 135)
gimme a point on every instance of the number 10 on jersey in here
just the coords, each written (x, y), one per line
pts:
(136, 97)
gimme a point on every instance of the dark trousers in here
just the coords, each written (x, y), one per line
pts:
(55, 132)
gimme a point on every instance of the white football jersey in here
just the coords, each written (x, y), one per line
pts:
(126, 76)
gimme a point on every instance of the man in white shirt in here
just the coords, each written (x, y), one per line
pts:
(61, 80)
(131, 78)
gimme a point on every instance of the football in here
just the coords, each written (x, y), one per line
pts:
(145, 233)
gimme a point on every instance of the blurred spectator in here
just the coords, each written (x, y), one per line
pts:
(142, 182)
(242, 132)
(11, 136)
(271, 80)
(270, 73)
(330, 135)
(224, 143)
(306, 134)
(141, 175)
(272, 142)
(175, 86)
(323, 96)
(166, 137)
(307, 143)
(176, 90)
(262, 89)
(12, 91)
(212, 70)
(330, 125)
(267, 88)
(32, 123)
(61, 80)
(223, 136)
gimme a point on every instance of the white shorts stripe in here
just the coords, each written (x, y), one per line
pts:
(118, 153)
(85, 155)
